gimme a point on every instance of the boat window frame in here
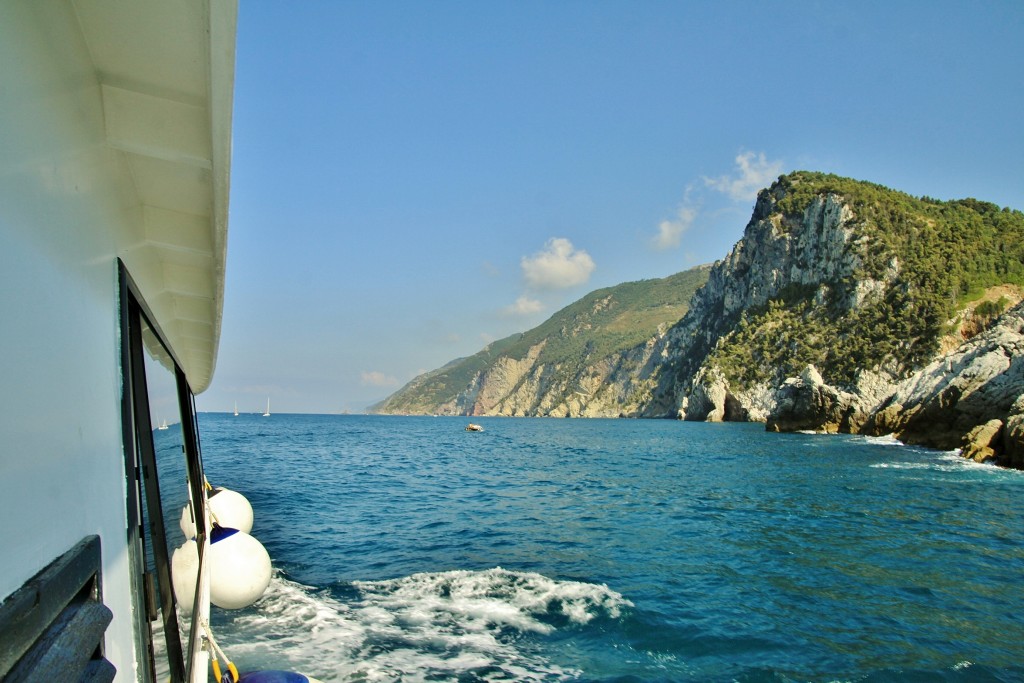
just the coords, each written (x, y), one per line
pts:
(140, 465)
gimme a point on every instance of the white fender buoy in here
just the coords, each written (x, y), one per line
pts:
(184, 575)
(230, 509)
(187, 524)
(239, 568)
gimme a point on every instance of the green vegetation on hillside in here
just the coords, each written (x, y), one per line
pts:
(602, 323)
(953, 249)
(432, 389)
(612, 319)
(947, 253)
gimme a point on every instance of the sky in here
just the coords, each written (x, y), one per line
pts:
(413, 180)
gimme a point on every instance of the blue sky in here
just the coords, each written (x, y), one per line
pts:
(412, 180)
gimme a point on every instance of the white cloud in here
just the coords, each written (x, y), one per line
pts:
(524, 305)
(670, 232)
(754, 173)
(557, 266)
(375, 378)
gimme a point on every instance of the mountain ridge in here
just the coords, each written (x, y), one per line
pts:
(839, 292)
(582, 342)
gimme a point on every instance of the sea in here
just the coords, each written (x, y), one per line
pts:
(543, 549)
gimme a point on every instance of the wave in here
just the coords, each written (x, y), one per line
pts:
(885, 440)
(954, 459)
(464, 625)
(951, 462)
(904, 466)
(946, 462)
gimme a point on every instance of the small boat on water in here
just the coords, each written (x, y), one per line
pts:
(474, 428)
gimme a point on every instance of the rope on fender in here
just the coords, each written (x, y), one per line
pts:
(218, 654)
(209, 487)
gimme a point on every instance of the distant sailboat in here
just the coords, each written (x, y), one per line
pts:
(236, 408)
(163, 425)
(267, 414)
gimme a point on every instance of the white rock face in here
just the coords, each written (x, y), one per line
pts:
(815, 251)
(807, 403)
(616, 386)
(974, 385)
(971, 398)
(707, 400)
(979, 382)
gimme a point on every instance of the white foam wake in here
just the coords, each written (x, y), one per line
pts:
(427, 626)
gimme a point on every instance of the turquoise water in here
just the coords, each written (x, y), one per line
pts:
(408, 549)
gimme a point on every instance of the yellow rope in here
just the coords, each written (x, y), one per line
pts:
(218, 654)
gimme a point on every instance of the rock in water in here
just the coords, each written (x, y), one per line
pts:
(976, 385)
(984, 442)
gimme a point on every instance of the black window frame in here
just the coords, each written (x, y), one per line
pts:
(140, 467)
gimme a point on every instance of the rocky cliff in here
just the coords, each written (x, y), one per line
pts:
(866, 312)
(865, 284)
(785, 259)
(846, 306)
(971, 398)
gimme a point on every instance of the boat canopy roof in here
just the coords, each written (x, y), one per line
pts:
(165, 75)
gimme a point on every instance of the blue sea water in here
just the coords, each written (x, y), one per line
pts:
(407, 549)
